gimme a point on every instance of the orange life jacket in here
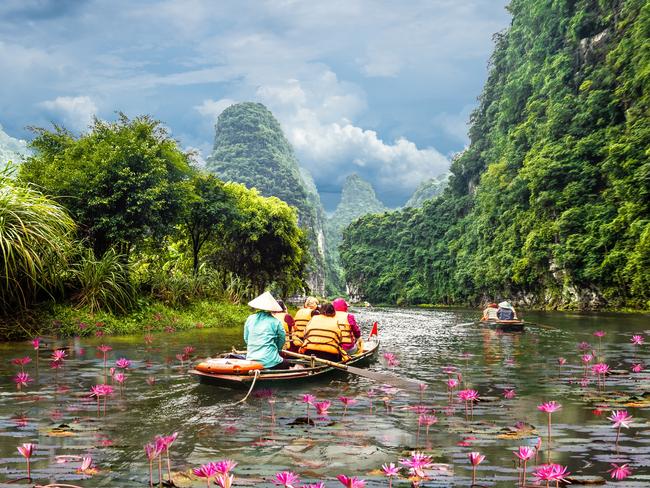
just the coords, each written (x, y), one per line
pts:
(282, 317)
(302, 318)
(346, 329)
(322, 334)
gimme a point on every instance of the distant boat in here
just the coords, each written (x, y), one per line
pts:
(508, 325)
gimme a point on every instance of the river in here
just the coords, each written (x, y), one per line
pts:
(159, 397)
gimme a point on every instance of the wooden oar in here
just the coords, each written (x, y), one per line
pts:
(544, 326)
(388, 379)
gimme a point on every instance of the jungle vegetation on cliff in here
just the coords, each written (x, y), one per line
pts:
(550, 203)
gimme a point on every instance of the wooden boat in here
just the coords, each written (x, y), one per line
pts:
(309, 371)
(507, 325)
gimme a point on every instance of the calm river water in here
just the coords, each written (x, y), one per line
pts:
(159, 397)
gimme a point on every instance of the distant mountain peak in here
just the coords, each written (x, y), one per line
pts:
(11, 149)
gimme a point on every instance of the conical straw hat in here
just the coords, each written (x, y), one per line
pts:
(505, 305)
(265, 302)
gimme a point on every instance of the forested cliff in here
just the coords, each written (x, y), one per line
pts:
(550, 203)
(250, 148)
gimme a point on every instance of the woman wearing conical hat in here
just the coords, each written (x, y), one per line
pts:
(264, 334)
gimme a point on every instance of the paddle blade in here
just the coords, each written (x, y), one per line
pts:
(384, 378)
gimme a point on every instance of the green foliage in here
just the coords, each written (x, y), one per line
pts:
(122, 181)
(35, 241)
(102, 283)
(550, 203)
(250, 148)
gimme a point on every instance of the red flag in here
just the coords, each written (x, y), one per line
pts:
(374, 330)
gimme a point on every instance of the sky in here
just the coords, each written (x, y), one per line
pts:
(383, 89)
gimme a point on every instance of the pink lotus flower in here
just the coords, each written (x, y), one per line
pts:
(287, 479)
(587, 358)
(322, 407)
(119, 377)
(549, 407)
(583, 346)
(599, 333)
(600, 368)
(391, 359)
(525, 453)
(620, 418)
(620, 472)
(452, 383)
(637, 368)
(206, 471)
(561, 361)
(59, 355)
(308, 399)
(26, 451)
(123, 363)
(509, 394)
(353, 482)
(224, 480)
(390, 470)
(551, 472)
(417, 463)
(188, 350)
(223, 467)
(468, 395)
(347, 401)
(22, 379)
(475, 458)
(36, 343)
(637, 340)
(21, 361)
(318, 484)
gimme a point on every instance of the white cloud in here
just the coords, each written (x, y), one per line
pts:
(74, 112)
(454, 125)
(212, 108)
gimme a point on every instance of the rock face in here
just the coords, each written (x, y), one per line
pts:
(250, 148)
(427, 190)
(357, 199)
(11, 149)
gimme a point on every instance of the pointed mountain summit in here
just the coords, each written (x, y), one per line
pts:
(250, 148)
(358, 198)
(427, 190)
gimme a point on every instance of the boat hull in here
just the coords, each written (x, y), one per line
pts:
(505, 325)
(288, 376)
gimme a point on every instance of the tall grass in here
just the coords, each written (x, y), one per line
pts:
(102, 284)
(35, 240)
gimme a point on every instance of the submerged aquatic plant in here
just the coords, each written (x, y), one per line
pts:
(620, 418)
(549, 408)
(288, 479)
(26, 451)
(475, 458)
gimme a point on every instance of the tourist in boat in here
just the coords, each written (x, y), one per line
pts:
(301, 319)
(264, 334)
(506, 311)
(350, 332)
(323, 335)
(287, 322)
(490, 312)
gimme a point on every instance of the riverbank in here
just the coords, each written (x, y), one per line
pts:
(64, 320)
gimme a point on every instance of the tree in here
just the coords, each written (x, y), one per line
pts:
(208, 209)
(122, 181)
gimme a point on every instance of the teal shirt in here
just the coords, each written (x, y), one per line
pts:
(264, 336)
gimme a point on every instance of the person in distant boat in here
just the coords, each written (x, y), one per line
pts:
(301, 319)
(506, 311)
(350, 332)
(287, 322)
(264, 334)
(323, 335)
(490, 312)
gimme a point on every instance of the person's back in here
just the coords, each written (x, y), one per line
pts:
(287, 323)
(350, 331)
(506, 312)
(264, 337)
(490, 313)
(301, 319)
(323, 336)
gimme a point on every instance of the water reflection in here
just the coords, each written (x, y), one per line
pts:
(159, 397)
